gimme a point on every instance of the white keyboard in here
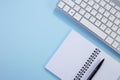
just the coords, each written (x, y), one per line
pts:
(101, 17)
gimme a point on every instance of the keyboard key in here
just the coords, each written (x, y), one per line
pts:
(108, 30)
(118, 31)
(82, 11)
(61, 4)
(112, 4)
(86, 0)
(102, 3)
(118, 48)
(88, 8)
(97, 23)
(91, 2)
(117, 7)
(78, 1)
(93, 12)
(106, 14)
(109, 24)
(76, 7)
(69, 2)
(108, 7)
(96, 6)
(109, 40)
(99, 16)
(71, 12)
(104, 20)
(113, 34)
(117, 21)
(83, 4)
(117, 14)
(113, 10)
(101, 10)
(87, 15)
(77, 16)
(115, 44)
(66, 8)
(103, 27)
(112, 18)
(107, 0)
(97, 1)
(114, 27)
(93, 28)
(92, 19)
(118, 38)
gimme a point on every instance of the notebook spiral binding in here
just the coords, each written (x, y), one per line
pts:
(87, 64)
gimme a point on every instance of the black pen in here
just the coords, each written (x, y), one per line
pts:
(95, 70)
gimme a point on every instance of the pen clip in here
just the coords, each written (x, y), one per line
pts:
(95, 70)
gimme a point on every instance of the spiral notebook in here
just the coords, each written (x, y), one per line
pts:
(76, 57)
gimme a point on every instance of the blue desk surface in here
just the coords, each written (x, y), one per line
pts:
(30, 33)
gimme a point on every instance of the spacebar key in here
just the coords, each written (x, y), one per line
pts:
(93, 28)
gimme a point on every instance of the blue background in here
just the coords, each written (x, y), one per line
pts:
(30, 33)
